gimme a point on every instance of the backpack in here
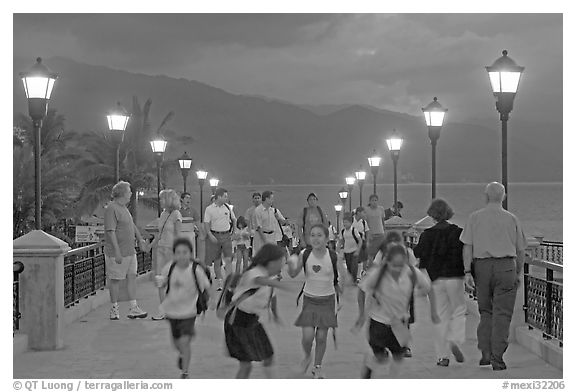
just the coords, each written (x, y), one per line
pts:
(231, 222)
(203, 296)
(333, 259)
(306, 212)
(381, 276)
(353, 235)
(285, 240)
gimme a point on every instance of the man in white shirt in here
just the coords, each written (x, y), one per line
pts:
(219, 222)
(267, 220)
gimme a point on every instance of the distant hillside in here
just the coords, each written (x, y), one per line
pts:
(255, 140)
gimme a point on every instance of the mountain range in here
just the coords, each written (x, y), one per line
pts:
(246, 139)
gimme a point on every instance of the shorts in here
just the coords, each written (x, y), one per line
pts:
(164, 255)
(381, 337)
(374, 243)
(223, 247)
(181, 327)
(115, 271)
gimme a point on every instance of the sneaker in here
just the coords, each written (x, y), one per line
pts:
(498, 366)
(485, 360)
(407, 352)
(457, 353)
(159, 316)
(305, 364)
(219, 289)
(114, 313)
(184, 375)
(366, 372)
(317, 372)
(136, 312)
(443, 362)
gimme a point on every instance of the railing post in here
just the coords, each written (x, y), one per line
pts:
(549, 280)
(525, 307)
(42, 288)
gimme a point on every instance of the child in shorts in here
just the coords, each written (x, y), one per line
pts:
(183, 285)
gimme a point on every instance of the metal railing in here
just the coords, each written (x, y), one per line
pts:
(551, 251)
(18, 267)
(543, 296)
(85, 271)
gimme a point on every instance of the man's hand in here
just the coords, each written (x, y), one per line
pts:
(519, 277)
(469, 282)
(118, 257)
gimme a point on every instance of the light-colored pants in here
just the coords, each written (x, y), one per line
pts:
(451, 308)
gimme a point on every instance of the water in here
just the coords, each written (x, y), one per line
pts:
(539, 206)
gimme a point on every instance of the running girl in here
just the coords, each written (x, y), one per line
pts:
(246, 338)
(185, 281)
(388, 289)
(320, 290)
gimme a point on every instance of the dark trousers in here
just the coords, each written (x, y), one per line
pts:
(496, 287)
(352, 265)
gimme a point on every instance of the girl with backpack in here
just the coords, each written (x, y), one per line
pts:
(388, 288)
(440, 252)
(187, 286)
(351, 241)
(320, 292)
(246, 339)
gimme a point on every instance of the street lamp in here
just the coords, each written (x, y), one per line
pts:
(185, 163)
(158, 148)
(350, 182)
(117, 122)
(38, 84)
(360, 176)
(343, 194)
(434, 115)
(504, 77)
(394, 145)
(338, 209)
(201, 174)
(374, 162)
(214, 184)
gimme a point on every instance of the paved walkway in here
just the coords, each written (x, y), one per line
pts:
(96, 347)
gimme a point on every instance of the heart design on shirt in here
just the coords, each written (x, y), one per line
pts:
(316, 268)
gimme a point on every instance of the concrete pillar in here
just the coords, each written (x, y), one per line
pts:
(41, 288)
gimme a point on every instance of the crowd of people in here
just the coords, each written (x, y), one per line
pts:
(487, 254)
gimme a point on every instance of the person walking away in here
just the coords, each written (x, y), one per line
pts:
(375, 217)
(320, 291)
(246, 338)
(494, 246)
(362, 227)
(119, 250)
(394, 211)
(351, 242)
(219, 222)
(169, 227)
(241, 244)
(266, 218)
(332, 234)
(440, 252)
(388, 288)
(190, 221)
(250, 218)
(310, 216)
(183, 281)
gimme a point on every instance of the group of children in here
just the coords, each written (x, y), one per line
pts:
(383, 298)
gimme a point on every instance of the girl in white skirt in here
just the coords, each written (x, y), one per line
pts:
(320, 291)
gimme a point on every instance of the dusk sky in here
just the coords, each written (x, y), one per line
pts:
(392, 61)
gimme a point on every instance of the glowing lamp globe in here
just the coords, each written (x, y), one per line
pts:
(201, 174)
(214, 182)
(504, 75)
(38, 84)
(118, 119)
(394, 142)
(350, 180)
(338, 207)
(343, 194)
(158, 145)
(185, 161)
(360, 174)
(374, 160)
(434, 114)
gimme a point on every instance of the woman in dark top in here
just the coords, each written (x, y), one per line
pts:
(440, 252)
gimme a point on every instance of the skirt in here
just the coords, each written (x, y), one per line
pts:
(318, 312)
(246, 339)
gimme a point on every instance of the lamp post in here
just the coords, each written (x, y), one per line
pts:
(504, 77)
(338, 209)
(201, 174)
(117, 122)
(350, 182)
(434, 115)
(38, 84)
(158, 148)
(374, 162)
(214, 184)
(394, 145)
(343, 194)
(360, 176)
(185, 163)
